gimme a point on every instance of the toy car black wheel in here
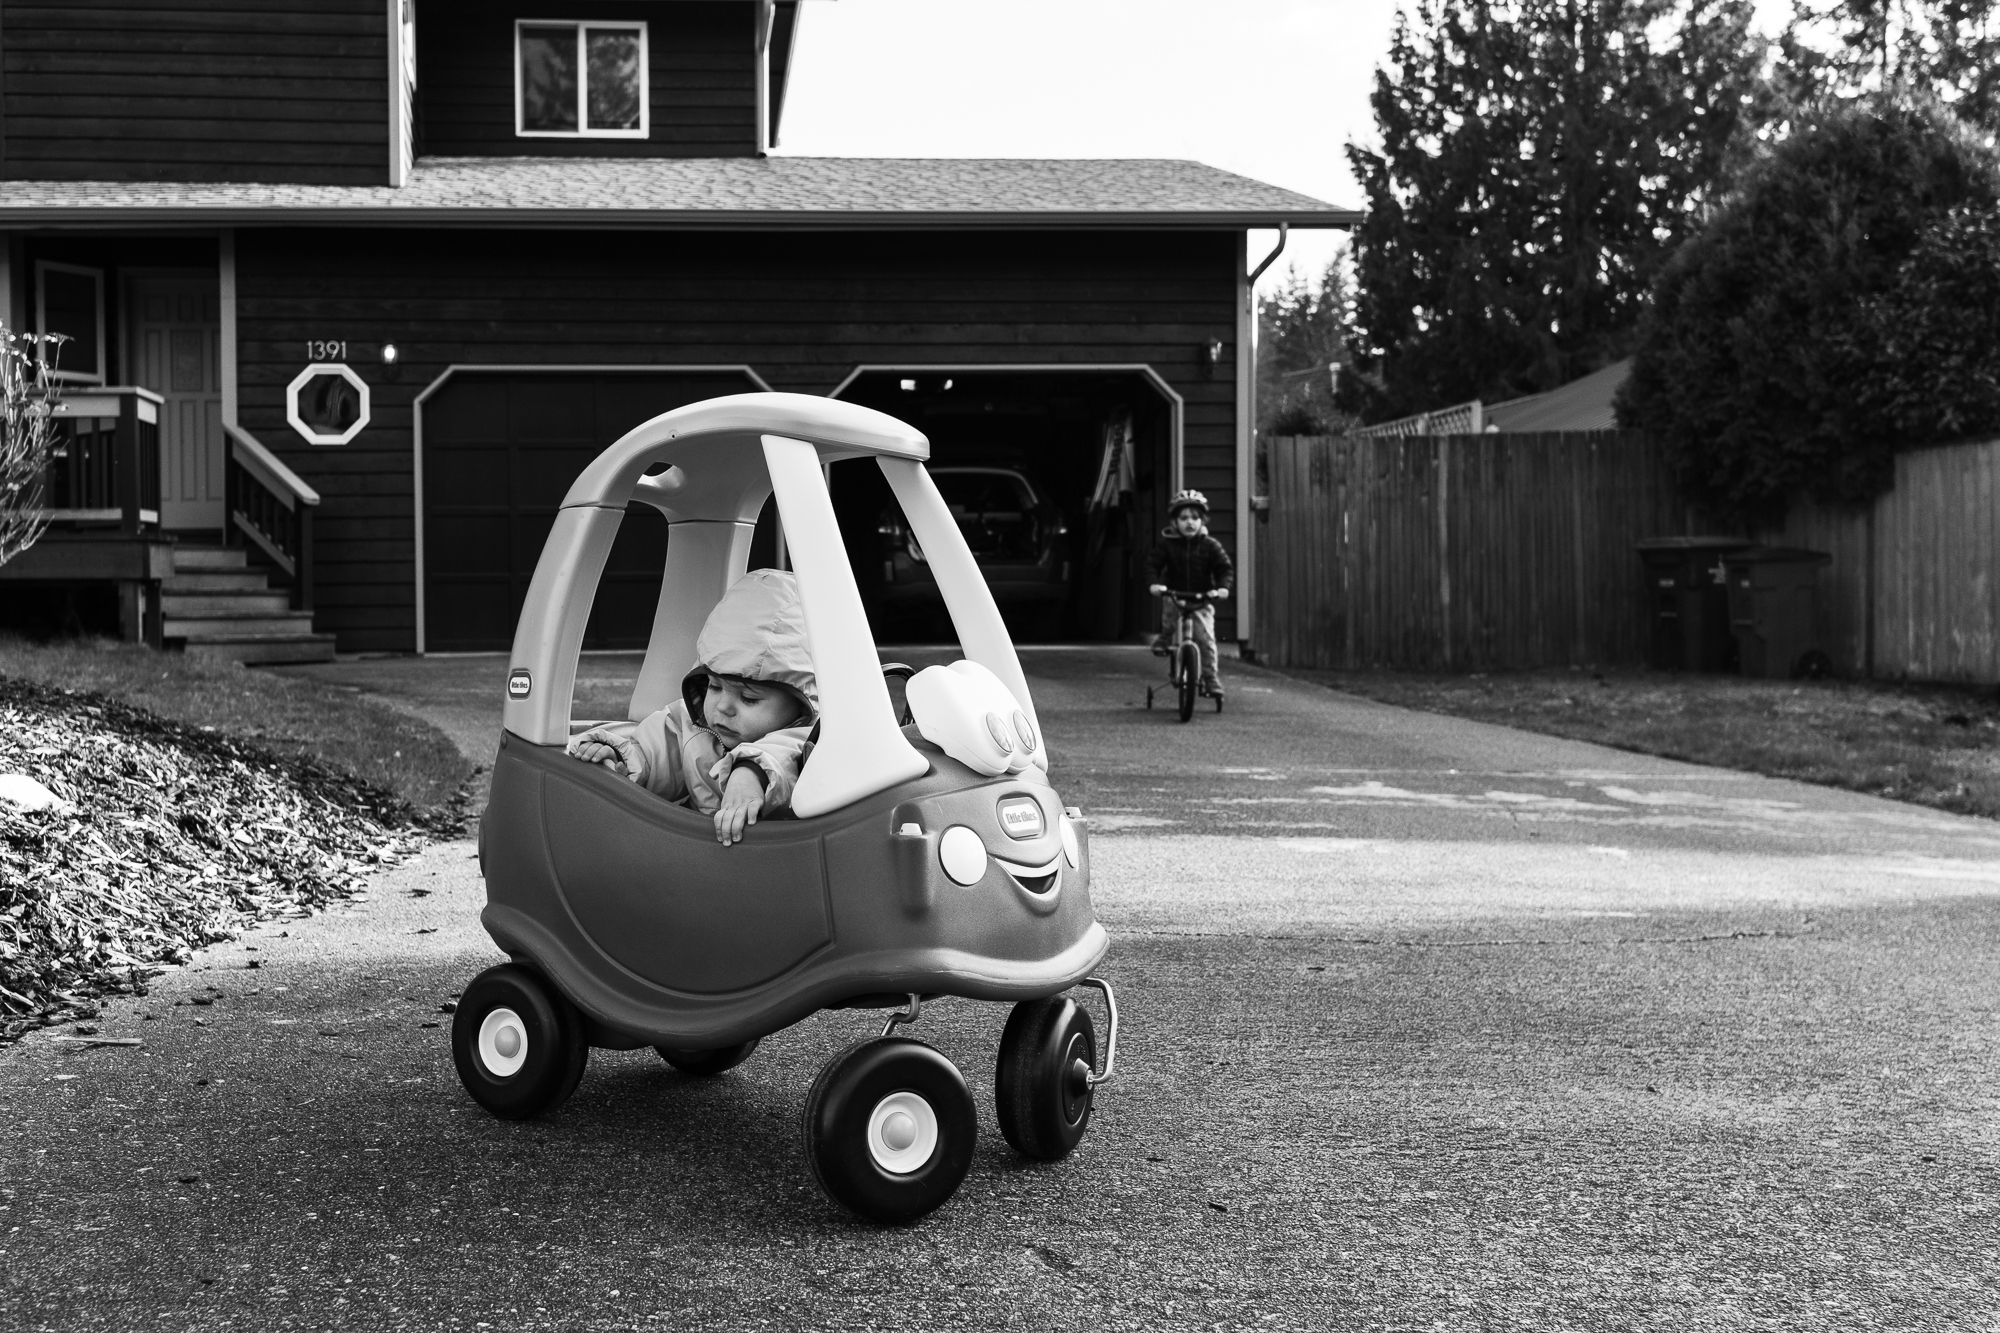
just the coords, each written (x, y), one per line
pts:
(1190, 668)
(890, 1129)
(519, 1045)
(702, 1064)
(1042, 1084)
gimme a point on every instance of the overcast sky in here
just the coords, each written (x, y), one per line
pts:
(1268, 88)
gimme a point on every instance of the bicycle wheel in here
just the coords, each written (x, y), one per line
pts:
(1190, 667)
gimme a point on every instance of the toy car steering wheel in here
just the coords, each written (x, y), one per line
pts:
(888, 669)
(905, 671)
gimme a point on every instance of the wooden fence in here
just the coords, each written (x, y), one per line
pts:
(1478, 552)
(1914, 587)
(1460, 552)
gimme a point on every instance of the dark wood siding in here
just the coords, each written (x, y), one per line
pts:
(286, 91)
(701, 78)
(803, 310)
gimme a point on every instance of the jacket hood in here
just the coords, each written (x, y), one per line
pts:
(756, 632)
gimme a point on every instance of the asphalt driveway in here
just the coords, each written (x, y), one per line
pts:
(1428, 1024)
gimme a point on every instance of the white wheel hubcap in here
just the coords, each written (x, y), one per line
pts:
(902, 1133)
(503, 1043)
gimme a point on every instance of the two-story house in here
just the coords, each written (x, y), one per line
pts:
(373, 278)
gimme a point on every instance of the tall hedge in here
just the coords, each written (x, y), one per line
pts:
(1761, 359)
(1924, 356)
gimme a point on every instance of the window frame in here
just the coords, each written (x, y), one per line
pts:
(583, 130)
(102, 373)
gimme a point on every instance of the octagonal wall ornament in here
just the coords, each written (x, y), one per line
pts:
(327, 403)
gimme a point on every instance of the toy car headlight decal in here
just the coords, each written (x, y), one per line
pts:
(998, 731)
(1021, 817)
(962, 855)
(1025, 732)
(1068, 832)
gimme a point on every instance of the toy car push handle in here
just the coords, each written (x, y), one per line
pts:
(981, 632)
(861, 749)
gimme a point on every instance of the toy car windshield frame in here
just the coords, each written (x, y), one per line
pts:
(715, 463)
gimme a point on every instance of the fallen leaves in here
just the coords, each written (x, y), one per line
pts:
(170, 838)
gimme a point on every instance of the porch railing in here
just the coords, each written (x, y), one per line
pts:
(269, 506)
(105, 468)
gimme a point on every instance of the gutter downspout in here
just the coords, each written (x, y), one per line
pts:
(1246, 437)
(765, 15)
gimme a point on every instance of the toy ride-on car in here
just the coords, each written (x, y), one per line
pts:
(924, 860)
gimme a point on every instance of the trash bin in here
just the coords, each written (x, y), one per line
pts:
(1687, 601)
(1774, 610)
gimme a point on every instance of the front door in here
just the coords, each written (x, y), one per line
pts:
(176, 342)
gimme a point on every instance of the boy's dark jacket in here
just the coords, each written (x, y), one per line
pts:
(1190, 564)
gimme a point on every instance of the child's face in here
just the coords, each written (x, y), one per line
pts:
(747, 710)
(1187, 522)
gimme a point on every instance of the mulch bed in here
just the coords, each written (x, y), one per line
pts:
(171, 838)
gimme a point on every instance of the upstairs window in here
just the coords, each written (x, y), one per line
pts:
(579, 80)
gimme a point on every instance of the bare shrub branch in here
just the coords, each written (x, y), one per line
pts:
(28, 398)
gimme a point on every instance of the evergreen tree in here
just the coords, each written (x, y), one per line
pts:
(1538, 159)
(1302, 334)
(1945, 49)
(1835, 310)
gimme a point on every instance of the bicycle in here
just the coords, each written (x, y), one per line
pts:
(1184, 657)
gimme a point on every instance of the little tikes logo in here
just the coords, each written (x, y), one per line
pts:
(1021, 816)
(520, 685)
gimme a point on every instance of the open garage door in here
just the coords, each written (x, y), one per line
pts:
(500, 449)
(1059, 479)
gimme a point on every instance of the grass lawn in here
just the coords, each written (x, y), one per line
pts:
(1929, 745)
(283, 715)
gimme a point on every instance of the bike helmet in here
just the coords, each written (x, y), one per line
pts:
(1188, 500)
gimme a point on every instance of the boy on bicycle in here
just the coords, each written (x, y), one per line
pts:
(1188, 560)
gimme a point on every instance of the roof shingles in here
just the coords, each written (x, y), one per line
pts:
(716, 191)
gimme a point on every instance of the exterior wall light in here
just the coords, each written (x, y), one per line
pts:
(327, 403)
(389, 354)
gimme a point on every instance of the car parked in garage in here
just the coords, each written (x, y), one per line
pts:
(1017, 535)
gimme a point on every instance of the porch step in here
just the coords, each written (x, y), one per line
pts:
(246, 580)
(186, 605)
(216, 605)
(232, 623)
(210, 557)
(258, 648)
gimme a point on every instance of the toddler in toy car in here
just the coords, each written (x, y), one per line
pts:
(732, 745)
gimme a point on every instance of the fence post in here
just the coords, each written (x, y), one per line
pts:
(1444, 538)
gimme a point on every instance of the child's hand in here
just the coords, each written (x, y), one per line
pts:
(615, 752)
(1220, 594)
(1157, 589)
(742, 802)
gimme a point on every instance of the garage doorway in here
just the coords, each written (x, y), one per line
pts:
(1060, 478)
(497, 450)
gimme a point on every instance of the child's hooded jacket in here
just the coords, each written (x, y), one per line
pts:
(756, 632)
(1190, 564)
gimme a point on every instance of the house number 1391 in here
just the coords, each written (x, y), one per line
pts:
(319, 351)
